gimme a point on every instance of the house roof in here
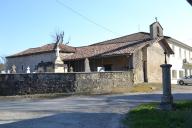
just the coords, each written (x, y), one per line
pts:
(44, 49)
(178, 43)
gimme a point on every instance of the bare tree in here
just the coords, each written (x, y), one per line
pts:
(59, 37)
(2, 63)
(2, 59)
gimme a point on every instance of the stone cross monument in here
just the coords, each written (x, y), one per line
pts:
(59, 64)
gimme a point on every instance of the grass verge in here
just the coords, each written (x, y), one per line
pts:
(143, 88)
(149, 116)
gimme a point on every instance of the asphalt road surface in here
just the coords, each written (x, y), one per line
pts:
(75, 111)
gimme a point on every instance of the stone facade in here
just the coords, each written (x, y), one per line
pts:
(36, 83)
(155, 57)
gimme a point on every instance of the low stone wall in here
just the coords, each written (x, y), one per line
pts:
(36, 83)
(102, 81)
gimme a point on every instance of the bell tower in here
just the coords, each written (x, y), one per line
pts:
(156, 30)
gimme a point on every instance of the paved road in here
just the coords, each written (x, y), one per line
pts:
(74, 111)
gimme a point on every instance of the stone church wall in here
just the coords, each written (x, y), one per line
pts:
(155, 57)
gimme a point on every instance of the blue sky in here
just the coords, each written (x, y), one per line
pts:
(32, 23)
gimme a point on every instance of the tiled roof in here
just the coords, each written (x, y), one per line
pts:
(43, 49)
(128, 38)
(122, 45)
(129, 48)
(106, 50)
(88, 50)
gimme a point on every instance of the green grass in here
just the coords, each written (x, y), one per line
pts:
(149, 116)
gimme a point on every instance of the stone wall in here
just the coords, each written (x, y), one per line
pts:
(102, 81)
(36, 83)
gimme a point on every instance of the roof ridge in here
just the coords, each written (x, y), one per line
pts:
(118, 38)
(42, 49)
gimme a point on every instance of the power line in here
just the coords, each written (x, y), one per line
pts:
(85, 17)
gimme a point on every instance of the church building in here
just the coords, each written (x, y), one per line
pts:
(141, 53)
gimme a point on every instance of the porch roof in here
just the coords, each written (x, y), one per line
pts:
(164, 44)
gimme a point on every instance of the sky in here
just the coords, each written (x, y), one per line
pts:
(32, 23)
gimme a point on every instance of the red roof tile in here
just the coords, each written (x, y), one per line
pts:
(105, 50)
(121, 45)
(128, 38)
(43, 49)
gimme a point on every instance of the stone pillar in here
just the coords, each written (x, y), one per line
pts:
(167, 98)
(87, 66)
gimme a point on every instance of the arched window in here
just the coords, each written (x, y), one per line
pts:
(22, 67)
